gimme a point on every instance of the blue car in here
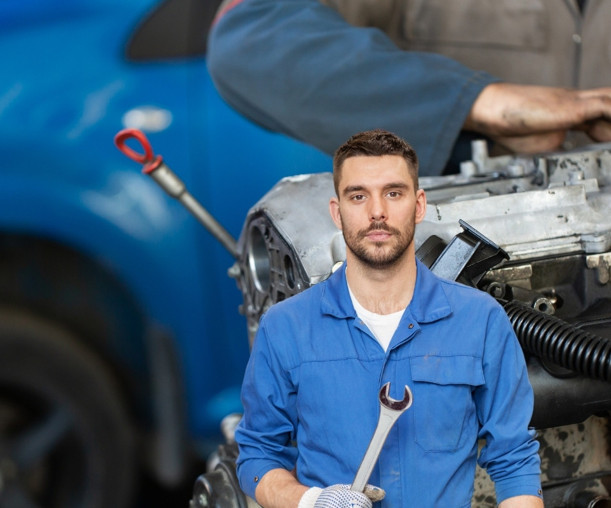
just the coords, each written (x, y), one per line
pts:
(121, 342)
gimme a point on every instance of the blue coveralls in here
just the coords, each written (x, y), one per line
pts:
(313, 380)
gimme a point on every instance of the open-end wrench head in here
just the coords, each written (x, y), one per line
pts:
(395, 405)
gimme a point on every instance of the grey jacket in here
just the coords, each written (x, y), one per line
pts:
(414, 67)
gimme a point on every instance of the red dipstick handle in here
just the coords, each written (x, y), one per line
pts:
(148, 159)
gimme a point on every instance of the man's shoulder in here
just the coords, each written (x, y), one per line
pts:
(300, 302)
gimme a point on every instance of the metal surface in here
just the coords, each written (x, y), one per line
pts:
(555, 205)
(468, 256)
(390, 410)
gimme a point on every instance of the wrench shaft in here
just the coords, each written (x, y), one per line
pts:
(385, 422)
(390, 410)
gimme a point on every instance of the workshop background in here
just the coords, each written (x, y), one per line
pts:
(121, 342)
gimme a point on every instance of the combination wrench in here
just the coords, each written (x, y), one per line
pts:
(390, 410)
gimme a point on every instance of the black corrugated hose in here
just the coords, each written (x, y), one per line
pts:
(556, 340)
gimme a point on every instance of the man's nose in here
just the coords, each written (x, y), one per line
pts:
(377, 210)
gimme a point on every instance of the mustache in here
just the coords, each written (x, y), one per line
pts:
(378, 226)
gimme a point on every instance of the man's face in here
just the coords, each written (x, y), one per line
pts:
(377, 208)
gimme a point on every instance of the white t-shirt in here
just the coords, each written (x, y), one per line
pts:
(382, 326)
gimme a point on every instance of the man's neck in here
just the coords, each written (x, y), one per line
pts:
(385, 290)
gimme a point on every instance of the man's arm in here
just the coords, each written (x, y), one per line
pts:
(522, 502)
(504, 407)
(265, 435)
(297, 67)
(279, 489)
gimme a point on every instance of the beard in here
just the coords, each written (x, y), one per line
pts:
(380, 254)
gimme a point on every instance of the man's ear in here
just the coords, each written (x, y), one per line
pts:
(420, 205)
(334, 211)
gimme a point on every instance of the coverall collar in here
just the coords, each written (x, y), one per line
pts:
(429, 303)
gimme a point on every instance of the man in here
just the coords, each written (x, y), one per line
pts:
(521, 73)
(320, 358)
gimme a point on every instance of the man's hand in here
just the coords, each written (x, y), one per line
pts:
(530, 119)
(279, 488)
(340, 496)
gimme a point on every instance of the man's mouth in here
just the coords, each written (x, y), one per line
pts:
(378, 235)
(377, 232)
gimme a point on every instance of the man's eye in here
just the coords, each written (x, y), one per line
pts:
(394, 194)
(357, 197)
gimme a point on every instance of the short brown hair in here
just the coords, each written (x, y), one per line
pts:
(373, 143)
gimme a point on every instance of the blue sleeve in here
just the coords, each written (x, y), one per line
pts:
(297, 67)
(267, 428)
(505, 404)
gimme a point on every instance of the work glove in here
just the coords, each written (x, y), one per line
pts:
(340, 496)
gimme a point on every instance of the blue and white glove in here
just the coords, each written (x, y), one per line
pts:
(340, 496)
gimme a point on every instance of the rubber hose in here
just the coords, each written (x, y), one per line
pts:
(556, 340)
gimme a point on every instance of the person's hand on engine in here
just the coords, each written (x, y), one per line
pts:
(529, 119)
